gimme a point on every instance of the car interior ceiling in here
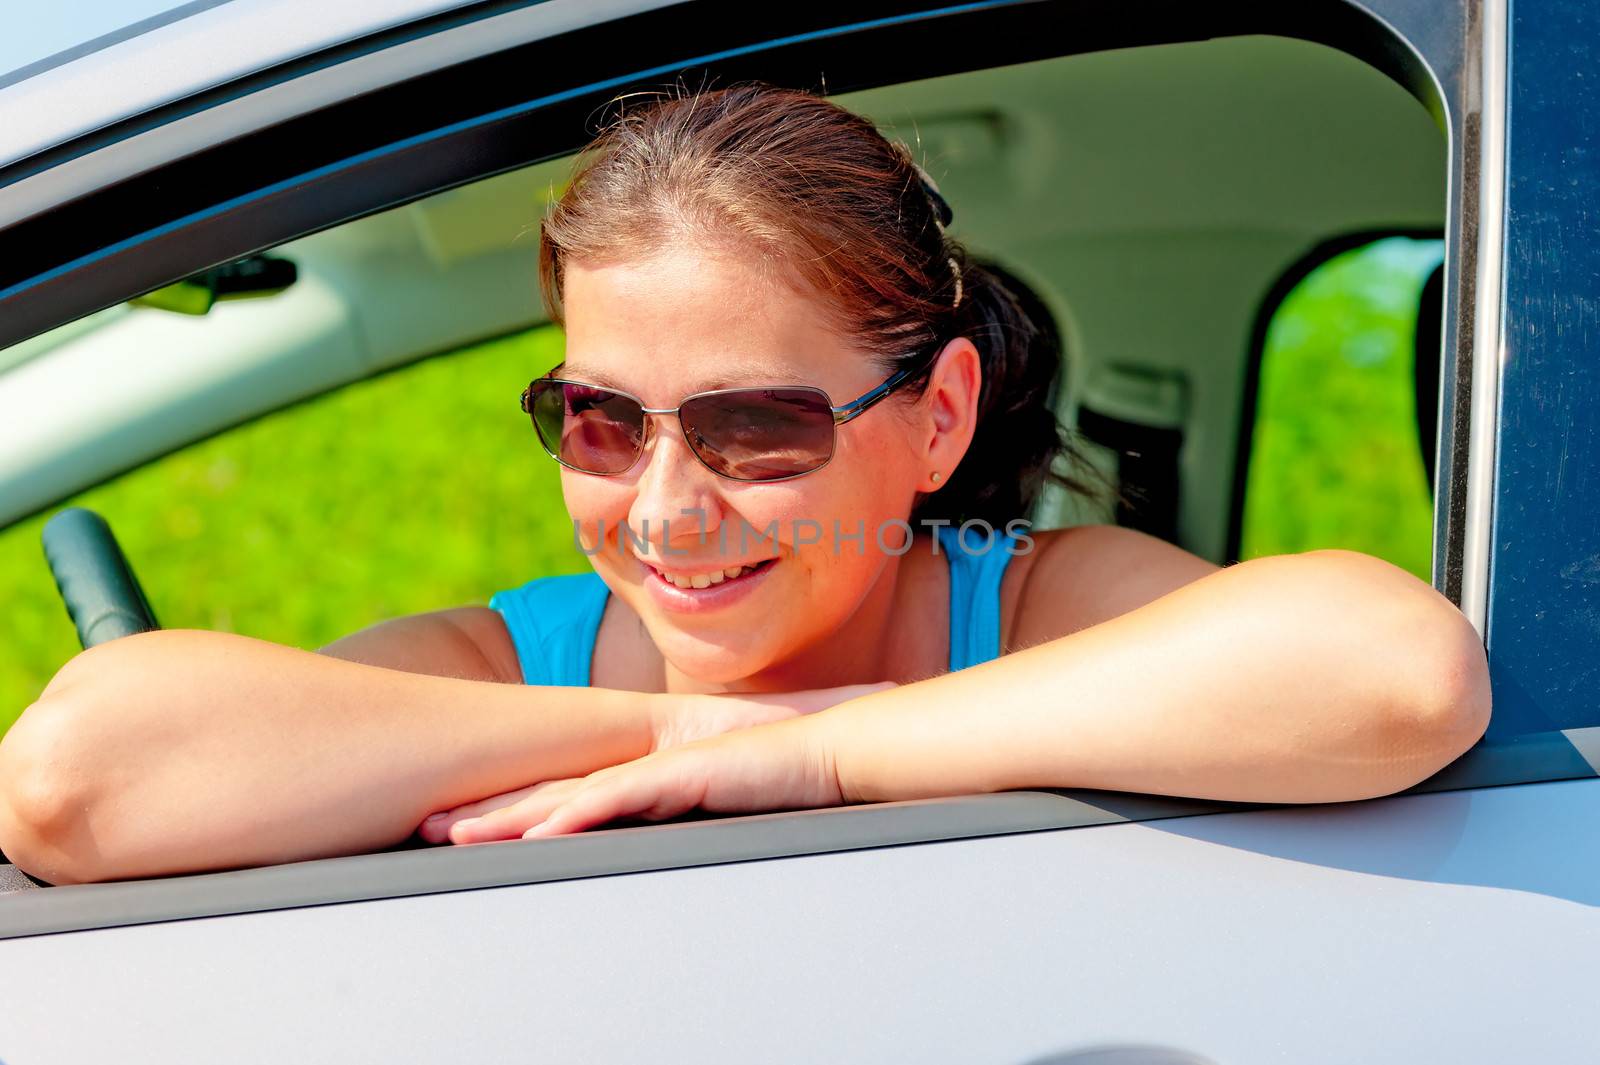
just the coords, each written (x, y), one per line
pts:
(1147, 198)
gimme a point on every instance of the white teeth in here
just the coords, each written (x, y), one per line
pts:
(706, 580)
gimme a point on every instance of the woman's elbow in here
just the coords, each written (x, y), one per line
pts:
(1453, 702)
(1440, 706)
(1406, 654)
(45, 795)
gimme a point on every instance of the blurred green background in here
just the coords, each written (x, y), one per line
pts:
(419, 489)
(424, 488)
(1335, 460)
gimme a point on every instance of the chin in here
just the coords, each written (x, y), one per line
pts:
(712, 667)
(711, 662)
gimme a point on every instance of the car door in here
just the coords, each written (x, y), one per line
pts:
(1453, 923)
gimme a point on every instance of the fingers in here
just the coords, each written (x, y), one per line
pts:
(702, 717)
(436, 829)
(594, 807)
(652, 788)
(510, 820)
(638, 792)
(771, 767)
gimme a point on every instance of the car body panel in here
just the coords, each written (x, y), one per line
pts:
(77, 156)
(1451, 927)
(179, 53)
(1544, 614)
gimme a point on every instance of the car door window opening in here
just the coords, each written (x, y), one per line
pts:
(1140, 386)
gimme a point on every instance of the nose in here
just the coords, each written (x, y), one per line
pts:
(677, 506)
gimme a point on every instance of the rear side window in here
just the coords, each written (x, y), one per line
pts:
(1334, 453)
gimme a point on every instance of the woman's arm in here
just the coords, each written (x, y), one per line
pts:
(1318, 677)
(1308, 678)
(184, 750)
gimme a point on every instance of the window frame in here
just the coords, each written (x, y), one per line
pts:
(693, 844)
(300, 175)
(288, 170)
(1536, 347)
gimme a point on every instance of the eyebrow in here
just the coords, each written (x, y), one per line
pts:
(574, 373)
(761, 375)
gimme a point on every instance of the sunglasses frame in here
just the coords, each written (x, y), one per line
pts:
(841, 414)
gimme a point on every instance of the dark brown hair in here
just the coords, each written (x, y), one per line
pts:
(821, 197)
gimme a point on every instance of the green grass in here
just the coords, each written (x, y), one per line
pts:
(420, 489)
(1335, 460)
(424, 488)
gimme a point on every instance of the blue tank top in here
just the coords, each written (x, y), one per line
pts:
(554, 621)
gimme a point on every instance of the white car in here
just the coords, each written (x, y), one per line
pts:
(1157, 176)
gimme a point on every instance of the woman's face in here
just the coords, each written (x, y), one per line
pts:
(692, 319)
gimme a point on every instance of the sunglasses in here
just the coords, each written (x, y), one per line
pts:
(745, 434)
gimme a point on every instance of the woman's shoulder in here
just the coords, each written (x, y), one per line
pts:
(467, 642)
(1080, 576)
(570, 630)
(552, 623)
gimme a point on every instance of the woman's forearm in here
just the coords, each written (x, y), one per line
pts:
(184, 750)
(1317, 677)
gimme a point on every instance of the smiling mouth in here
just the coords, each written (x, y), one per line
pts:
(711, 578)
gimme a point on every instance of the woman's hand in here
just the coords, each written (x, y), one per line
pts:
(770, 767)
(688, 718)
(683, 720)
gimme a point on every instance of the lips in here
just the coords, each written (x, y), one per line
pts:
(695, 590)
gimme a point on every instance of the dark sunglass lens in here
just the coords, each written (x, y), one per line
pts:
(591, 429)
(761, 434)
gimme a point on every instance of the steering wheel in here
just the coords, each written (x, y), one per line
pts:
(103, 597)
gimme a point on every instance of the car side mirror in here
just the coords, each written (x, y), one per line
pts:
(252, 277)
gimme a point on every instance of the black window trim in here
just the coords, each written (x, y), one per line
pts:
(309, 158)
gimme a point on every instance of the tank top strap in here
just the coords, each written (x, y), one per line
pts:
(977, 566)
(554, 622)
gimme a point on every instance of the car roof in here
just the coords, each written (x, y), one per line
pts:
(156, 51)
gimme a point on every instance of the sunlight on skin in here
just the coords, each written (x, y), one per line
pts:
(668, 326)
(693, 319)
(673, 324)
(1227, 687)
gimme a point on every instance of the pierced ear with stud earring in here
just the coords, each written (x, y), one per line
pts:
(935, 476)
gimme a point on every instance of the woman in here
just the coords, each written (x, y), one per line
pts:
(785, 389)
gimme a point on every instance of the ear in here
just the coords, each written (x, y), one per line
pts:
(949, 411)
